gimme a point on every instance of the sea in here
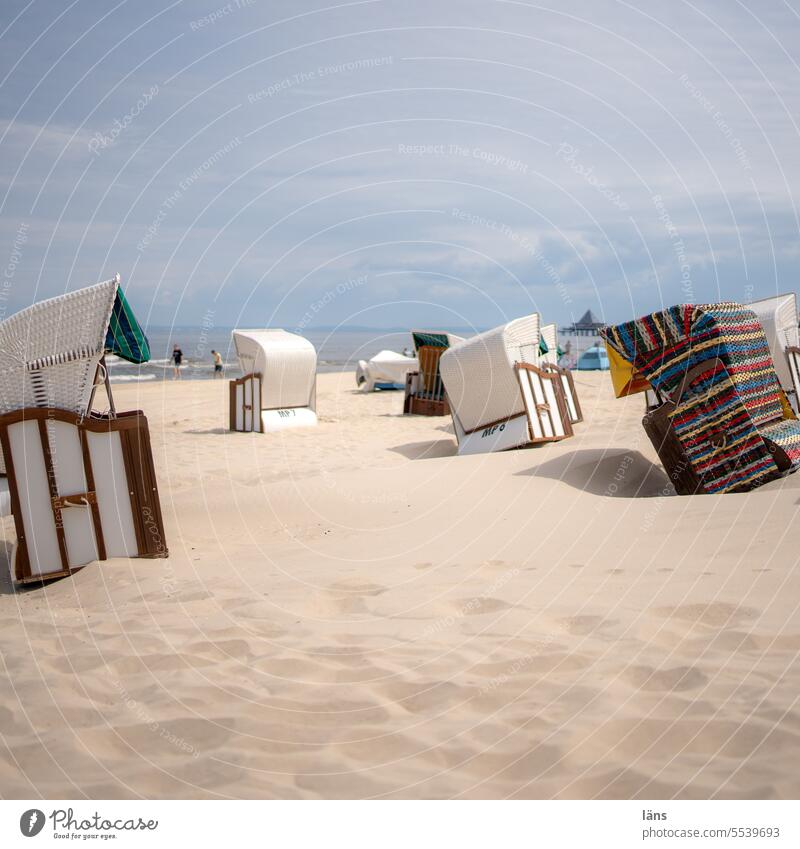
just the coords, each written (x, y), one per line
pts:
(337, 350)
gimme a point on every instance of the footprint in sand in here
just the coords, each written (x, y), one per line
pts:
(717, 614)
(479, 606)
(582, 626)
(675, 680)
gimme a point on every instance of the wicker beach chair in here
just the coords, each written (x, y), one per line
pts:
(425, 394)
(80, 485)
(725, 424)
(500, 396)
(279, 386)
(778, 317)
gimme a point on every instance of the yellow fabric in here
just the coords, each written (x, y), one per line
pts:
(788, 412)
(626, 381)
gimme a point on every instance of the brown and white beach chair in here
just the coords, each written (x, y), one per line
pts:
(279, 386)
(500, 396)
(80, 485)
(425, 393)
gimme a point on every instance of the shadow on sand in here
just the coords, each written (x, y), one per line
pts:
(613, 474)
(427, 450)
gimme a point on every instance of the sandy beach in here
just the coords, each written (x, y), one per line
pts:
(353, 611)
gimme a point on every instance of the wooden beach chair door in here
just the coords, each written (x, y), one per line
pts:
(430, 379)
(245, 403)
(545, 404)
(81, 490)
(568, 389)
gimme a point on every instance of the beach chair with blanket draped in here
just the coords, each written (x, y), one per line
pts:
(724, 424)
(500, 396)
(79, 484)
(425, 395)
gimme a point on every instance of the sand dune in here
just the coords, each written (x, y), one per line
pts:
(353, 611)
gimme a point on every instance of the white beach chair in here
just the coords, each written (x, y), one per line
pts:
(279, 386)
(499, 395)
(778, 317)
(387, 369)
(80, 485)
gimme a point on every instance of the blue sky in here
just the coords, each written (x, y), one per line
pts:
(387, 163)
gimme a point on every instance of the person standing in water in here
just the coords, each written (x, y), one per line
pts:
(217, 364)
(177, 359)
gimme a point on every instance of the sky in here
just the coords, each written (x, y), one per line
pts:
(433, 163)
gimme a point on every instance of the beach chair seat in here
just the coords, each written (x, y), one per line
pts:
(424, 391)
(726, 425)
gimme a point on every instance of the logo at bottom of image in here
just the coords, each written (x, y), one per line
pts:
(64, 823)
(31, 822)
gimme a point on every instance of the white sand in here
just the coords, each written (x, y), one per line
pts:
(353, 611)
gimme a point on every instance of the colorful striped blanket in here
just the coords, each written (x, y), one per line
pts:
(734, 411)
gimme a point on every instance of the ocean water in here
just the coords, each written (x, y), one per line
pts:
(337, 350)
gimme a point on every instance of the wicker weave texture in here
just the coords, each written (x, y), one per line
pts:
(287, 363)
(49, 351)
(550, 336)
(778, 317)
(478, 373)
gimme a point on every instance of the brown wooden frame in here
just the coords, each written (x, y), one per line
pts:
(255, 407)
(561, 401)
(141, 482)
(429, 383)
(568, 374)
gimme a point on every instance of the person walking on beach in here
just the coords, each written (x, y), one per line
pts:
(177, 359)
(217, 364)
